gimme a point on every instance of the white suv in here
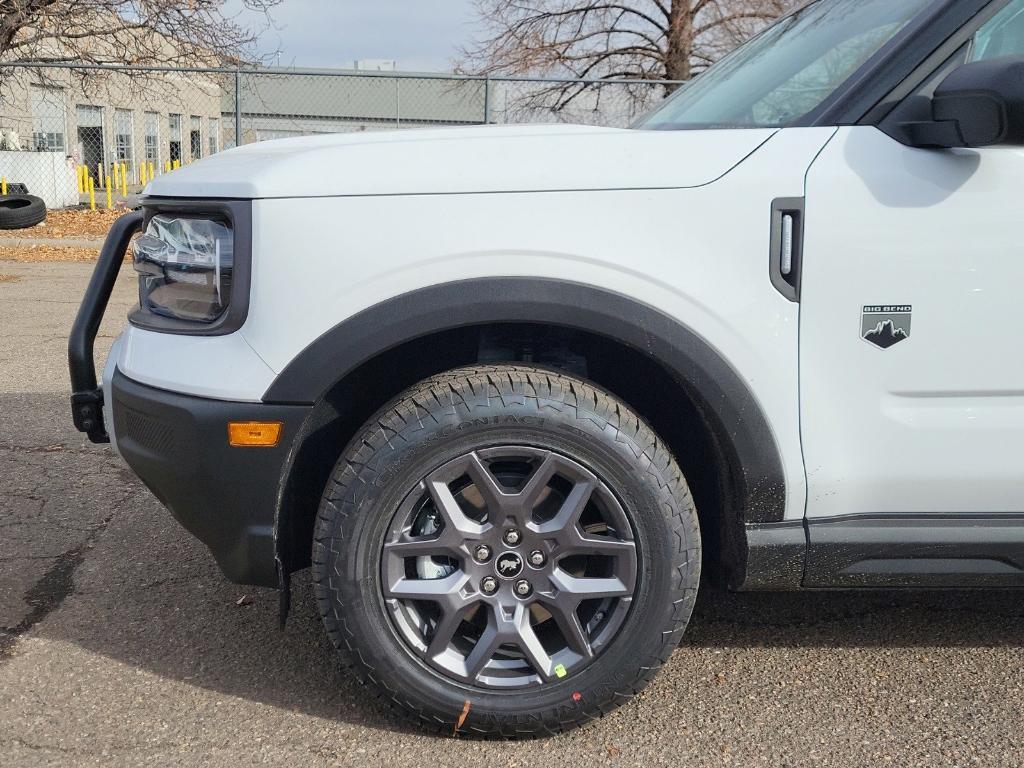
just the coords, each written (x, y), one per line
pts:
(509, 390)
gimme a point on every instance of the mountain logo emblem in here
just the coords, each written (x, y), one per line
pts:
(885, 325)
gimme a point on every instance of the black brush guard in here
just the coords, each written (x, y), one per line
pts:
(86, 395)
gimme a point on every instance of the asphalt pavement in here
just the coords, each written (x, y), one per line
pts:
(121, 643)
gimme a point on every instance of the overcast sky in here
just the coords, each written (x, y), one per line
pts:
(419, 34)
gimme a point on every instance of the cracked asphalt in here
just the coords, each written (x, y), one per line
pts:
(121, 644)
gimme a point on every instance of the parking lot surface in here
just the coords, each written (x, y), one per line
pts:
(121, 643)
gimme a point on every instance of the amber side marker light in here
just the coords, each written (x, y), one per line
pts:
(254, 434)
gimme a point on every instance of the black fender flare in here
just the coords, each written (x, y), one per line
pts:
(723, 396)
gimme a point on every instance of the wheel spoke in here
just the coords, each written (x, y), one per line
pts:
(586, 587)
(569, 513)
(454, 518)
(485, 482)
(435, 590)
(572, 630)
(530, 644)
(451, 619)
(530, 495)
(411, 547)
(489, 642)
(576, 543)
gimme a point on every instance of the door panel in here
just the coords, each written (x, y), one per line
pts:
(933, 241)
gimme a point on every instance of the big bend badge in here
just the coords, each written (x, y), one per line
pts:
(885, 324)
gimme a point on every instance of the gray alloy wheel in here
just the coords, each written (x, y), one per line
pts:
(509, 566)
(505, 551)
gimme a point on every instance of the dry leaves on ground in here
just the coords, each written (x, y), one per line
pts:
(72, 222)
(49, 253)
(9, 278)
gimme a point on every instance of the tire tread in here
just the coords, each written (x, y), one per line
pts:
(457, 390)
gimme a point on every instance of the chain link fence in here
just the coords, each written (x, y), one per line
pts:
(88, 135)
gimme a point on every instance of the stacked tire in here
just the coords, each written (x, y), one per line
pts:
(21, 211)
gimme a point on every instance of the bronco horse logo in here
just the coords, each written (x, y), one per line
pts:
(509, 565)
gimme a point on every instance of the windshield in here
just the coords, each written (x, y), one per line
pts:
(787, 70)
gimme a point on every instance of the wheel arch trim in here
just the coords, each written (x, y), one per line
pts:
(724, 398)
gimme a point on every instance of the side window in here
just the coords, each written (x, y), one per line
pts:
(1002, 35)
(811, 85)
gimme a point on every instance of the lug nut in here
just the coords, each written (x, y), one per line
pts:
(537, 558)
(513, 537)
(488, 585)
(482, 553)
(523, 588)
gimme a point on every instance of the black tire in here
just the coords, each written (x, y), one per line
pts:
(473, 409)
(21, 211)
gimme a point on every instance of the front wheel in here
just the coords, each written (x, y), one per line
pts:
(506, 551)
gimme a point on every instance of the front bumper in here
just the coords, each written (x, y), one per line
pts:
(178, 444)
(227, 497)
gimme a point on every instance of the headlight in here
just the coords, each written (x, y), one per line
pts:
(185, 267)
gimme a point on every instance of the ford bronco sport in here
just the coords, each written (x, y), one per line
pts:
(509, 390)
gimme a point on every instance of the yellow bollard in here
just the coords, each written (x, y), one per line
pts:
(110, 198)
(152, 171)
(177, 164)
(112, 177)
(78, 178)
(100, 177)
(3, 185)
(167, 167)
(124, 179)
(92, 195)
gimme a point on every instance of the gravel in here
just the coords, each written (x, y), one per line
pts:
(123, 644)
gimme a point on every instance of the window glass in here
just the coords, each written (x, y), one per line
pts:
(213, 134)
(174, 141)
(123, 144)
(789, 69)
(48, 119)
(195, 136)
(1002, 35)
(152, 137)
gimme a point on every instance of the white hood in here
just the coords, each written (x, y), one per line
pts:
(521, 158)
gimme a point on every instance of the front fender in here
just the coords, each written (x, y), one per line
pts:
(723, 397)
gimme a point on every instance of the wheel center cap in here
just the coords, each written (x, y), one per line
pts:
(508, 565)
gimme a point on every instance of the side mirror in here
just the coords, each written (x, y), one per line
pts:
(977, 105)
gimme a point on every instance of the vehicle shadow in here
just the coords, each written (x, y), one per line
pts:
(183, 622)
(142, 592)
(858, 619)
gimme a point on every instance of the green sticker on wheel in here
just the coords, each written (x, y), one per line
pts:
(560, 670)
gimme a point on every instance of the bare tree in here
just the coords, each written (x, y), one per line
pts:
(669, 40)
(135, 32)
